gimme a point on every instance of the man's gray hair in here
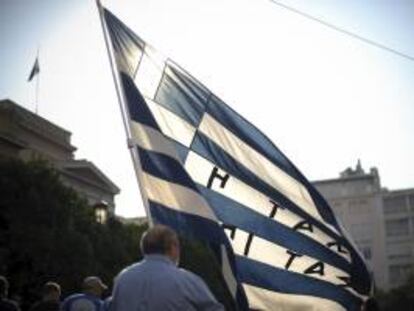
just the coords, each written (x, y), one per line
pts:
(158, 240)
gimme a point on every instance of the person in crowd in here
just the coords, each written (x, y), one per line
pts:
(6, 304)
(89, 299)
(50, 298)
(156, 283)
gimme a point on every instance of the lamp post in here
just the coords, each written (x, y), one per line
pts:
(101, 212)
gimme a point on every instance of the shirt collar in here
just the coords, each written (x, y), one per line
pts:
(160, 258)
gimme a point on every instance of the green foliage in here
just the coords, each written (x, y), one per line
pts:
(199, 259)
(47, 232)
(400, 298)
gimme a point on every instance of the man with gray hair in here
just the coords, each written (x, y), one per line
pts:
(89, 299)
(156, 283)
(50, 298)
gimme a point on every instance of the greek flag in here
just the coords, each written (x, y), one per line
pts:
(35, 70)
(205, 170)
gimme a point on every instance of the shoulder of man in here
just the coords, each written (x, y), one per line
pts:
(82, 302)
(129, 270)
(71, 298)
(191, 276)
(198, 292)
(193, 282)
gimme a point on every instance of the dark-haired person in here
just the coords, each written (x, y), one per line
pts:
(6, 304)
(50, 298)
(156, 283)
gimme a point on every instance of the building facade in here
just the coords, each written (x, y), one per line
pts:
(27, 136)
(398, 209)
(381, 222)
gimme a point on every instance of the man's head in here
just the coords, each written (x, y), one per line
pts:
(161, 240)
(51, 291)
(93, 285)
(4, 287)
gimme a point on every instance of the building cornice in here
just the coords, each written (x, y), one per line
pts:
(38, 125)
(13, 140)
(343, 179)
(66, 166)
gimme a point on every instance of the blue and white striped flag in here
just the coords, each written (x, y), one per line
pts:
(204, 168)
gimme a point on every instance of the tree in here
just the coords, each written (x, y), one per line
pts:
(48, 232)
(199, 258)
(400, 298)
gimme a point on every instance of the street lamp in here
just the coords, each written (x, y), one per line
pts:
(101, 212)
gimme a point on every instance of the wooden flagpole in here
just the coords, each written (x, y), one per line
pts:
(124, 110)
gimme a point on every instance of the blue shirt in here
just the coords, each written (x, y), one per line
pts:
(82, 302)
(156, 284)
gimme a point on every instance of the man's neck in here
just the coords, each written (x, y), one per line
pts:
(159, 257)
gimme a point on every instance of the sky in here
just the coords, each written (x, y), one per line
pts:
(324, 98)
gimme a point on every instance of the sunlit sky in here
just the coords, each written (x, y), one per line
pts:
(324, 98)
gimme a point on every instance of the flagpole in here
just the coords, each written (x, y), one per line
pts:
(124, 111)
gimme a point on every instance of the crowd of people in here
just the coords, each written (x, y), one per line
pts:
(154, 283)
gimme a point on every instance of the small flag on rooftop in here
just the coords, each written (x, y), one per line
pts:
(205, 170)
(35, 70)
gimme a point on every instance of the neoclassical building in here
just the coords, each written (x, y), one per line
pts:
(380, 221)
(27, 136)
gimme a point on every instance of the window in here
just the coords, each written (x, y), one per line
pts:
(361, 231)
(336, 204)
(411, 199)
(362, 202)
(412, 225)
(366, 251)
(398, 273)
(397, 227)
(354, 207)
(399, 250)
(396, 204)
